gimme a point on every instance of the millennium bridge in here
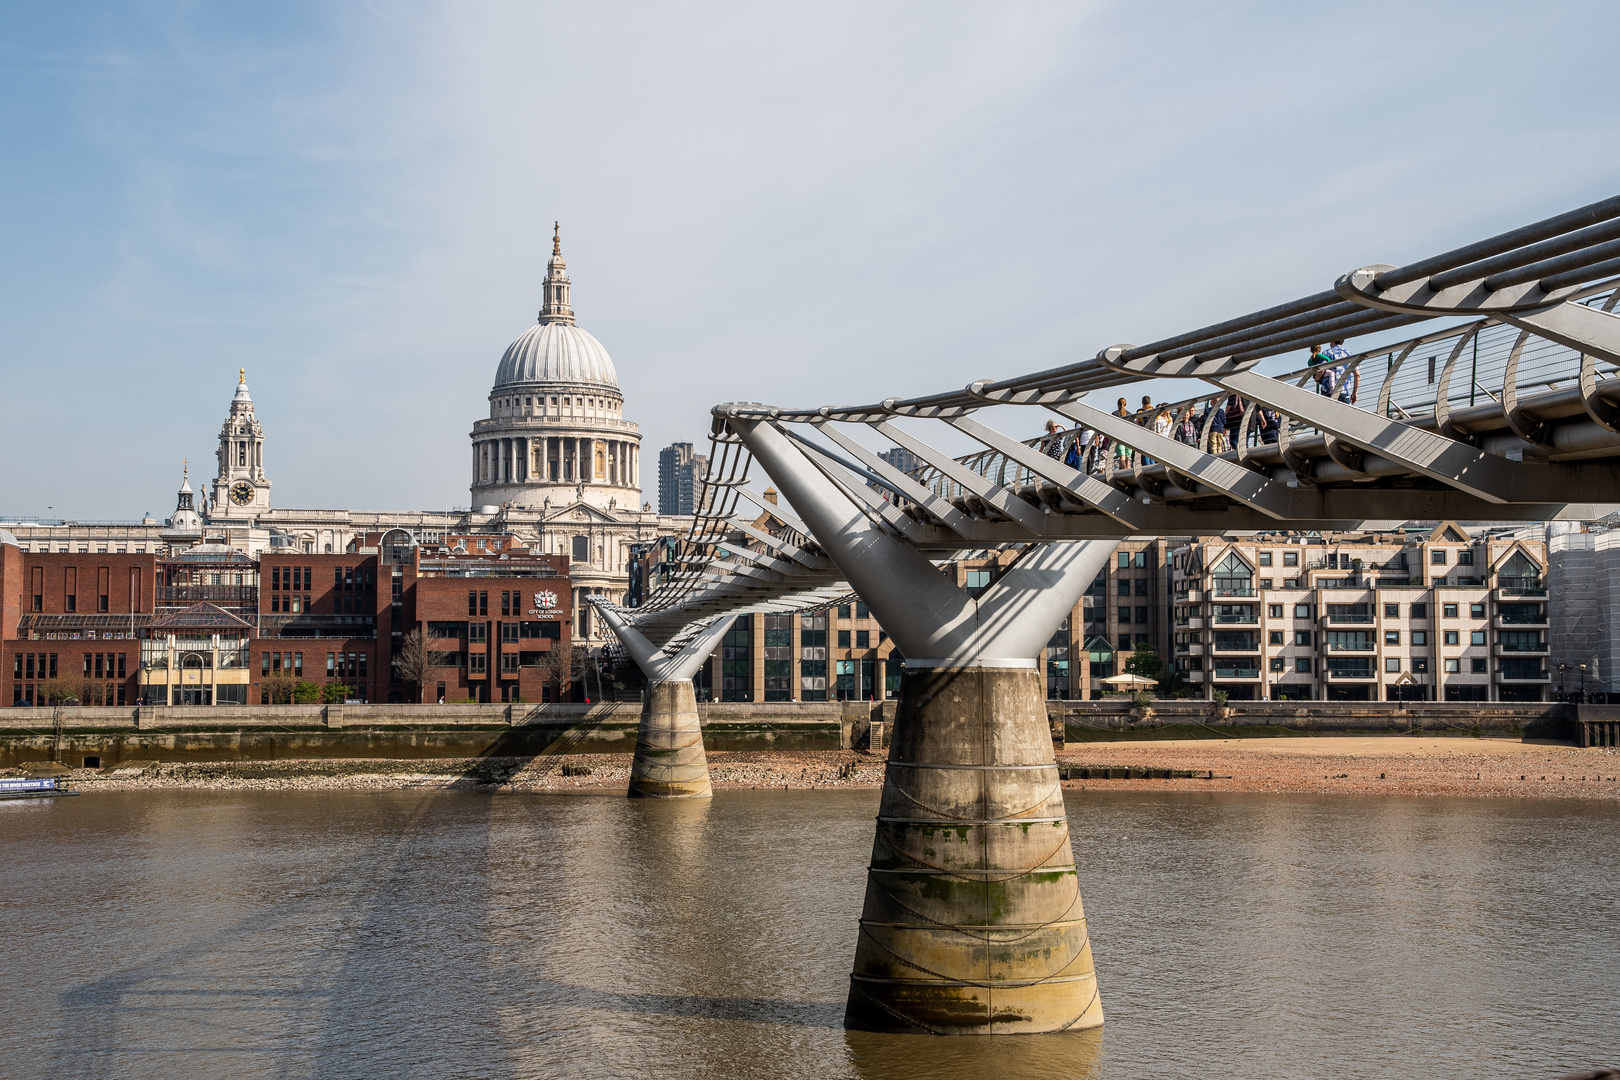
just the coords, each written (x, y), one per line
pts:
(1504, 406)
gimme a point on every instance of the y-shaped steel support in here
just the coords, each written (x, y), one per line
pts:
(670, 762)
(972, 923)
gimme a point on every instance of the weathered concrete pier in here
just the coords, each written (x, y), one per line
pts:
(973, 922)
(670, 762)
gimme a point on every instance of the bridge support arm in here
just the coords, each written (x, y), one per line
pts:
(973, 922)
(670, 761)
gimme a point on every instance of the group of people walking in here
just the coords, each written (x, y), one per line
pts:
(1221, 417)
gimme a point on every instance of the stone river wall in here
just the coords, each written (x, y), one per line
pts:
(253, 732)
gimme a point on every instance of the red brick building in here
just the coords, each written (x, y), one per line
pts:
(211, 626)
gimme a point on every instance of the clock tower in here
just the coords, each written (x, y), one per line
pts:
(240, 489)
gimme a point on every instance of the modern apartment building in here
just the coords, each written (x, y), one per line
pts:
(1434, 615)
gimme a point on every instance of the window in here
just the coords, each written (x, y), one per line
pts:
(1279, 664)
(1233, 577)
(582, 549)
(1420, 611)
(1420, 665)
(1290, 558)
(843, 639)
(1302, 611)
(1124, 559)
(1392, 663)
(1479, 665)
(976, 579)
(1448, 611)
(1437, 557)
(1302, 637)
(860, 610)
(1140, 561)
(1274, 611)
(1274, 637)
(1420, 637)
(477, 663)
(1302, 664)
(843, 611)
(1476, 637)
(483, 602)
(1392, 637)
(506, 602)
(1450, 637)
(1453, 665)
(863, 639)
(509, 633)
(736, 663)
(1265, 583)
(472, 601)
(1141, 586)
(1465, 558)
(477, 631)
(1392, 611)
(1264, 558)
(1476, 611)
(1124, 587)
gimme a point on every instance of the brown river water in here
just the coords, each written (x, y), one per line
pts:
(454, 934)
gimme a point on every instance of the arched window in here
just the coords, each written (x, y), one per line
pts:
(1233, 577)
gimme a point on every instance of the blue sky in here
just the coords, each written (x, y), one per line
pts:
(806, 204)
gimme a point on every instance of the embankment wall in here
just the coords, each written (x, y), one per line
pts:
(253, 732)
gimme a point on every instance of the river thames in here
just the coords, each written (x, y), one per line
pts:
(439, 934)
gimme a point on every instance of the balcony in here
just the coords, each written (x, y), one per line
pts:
(1519, 622)
(1519, 588)
(1524, 675)
(1348, 620)
(1243, 645)
(1540, 648)
(1221, 591)
(1190, 648)
(1237, 674)
(1352, 675)
(1236, 620)
(1367, 646)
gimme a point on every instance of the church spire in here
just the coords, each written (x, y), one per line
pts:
(555, 306)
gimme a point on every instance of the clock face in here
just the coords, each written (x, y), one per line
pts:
(242, 493)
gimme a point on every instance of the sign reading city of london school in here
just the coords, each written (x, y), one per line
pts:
(545, 603)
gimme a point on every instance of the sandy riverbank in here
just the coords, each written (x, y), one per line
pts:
(1339, 765)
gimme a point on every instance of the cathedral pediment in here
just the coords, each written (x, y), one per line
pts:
(580, 513)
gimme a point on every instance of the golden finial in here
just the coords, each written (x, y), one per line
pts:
(185, 468)
(241, 375)
(556, 238)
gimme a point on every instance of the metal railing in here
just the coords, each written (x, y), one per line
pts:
(1404, 388)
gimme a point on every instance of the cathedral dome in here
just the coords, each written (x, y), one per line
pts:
(555, 352)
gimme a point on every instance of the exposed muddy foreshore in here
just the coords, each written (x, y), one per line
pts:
(1372, 765)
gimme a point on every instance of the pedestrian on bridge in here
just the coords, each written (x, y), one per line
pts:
(1346, 375)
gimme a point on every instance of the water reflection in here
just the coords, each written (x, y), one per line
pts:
(1075, 1055)
(197, 935)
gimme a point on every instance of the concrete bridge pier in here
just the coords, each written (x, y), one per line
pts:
(670, 762)
(973, 922)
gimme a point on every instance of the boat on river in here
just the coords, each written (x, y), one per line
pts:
(32, 788)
